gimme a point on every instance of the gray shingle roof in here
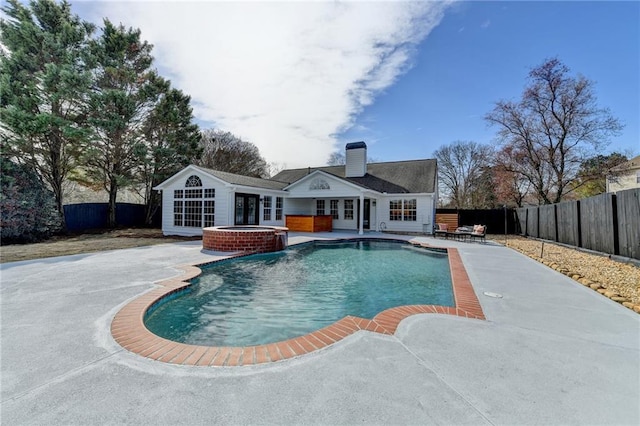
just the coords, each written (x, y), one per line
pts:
(415, 176)
(244, 180)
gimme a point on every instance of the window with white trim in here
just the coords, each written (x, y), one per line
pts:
(403, 210)
(278, 208)
(333, 209)
(348, 209)
(409, 213)
(209, 213)
(319, 207)
(266, 208)
(194, 206)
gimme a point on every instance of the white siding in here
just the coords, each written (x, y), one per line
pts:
(338, 188)
(424, 214)
(343, 223)
(356, 162)
(628, 180)
(299, 199)
(299, 206)
(221, 205)
(273, 221)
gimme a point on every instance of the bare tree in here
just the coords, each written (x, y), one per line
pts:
(337, 159)
(553, 129)
(510, 188)
(275, 167)
(226, 152)
(461, 166)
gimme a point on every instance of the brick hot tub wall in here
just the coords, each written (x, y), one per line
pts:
(258, 239)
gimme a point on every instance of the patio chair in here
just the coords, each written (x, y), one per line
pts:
(479, 232)
(441, 229)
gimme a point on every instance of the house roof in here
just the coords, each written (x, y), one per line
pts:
(632, 164)
(416, 176)
(397, 177)
(235, 179)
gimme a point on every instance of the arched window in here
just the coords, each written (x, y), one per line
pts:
(193, 182)
(319, 183)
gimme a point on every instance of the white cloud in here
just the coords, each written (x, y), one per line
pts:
(284, 76)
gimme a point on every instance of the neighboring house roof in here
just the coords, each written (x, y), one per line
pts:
(632, 164)
(415, 176)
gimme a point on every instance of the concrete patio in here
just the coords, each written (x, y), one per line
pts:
(550, 352)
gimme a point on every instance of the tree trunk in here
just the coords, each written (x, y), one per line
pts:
(151, 209)
(113, 192)
(57, 191)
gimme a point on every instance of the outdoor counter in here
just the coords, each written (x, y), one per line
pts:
(309, 223)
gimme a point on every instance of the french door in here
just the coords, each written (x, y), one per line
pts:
(247, 209)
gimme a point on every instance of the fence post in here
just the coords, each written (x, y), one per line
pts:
(555, 222)
(616, 235)
(579, 223)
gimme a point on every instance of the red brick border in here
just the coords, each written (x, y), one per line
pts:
(129, 331)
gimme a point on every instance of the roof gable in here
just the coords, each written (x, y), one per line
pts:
(415, 176)
(319, 178)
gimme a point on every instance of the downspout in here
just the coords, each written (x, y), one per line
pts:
(231, 212)
(361, 215)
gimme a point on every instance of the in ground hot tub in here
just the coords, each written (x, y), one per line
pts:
(248, 239)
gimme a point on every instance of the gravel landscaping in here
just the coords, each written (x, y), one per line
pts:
(616, 280)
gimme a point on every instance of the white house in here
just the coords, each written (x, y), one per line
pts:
(624, 176)
(393, 196)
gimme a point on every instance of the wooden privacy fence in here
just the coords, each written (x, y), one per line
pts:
(608, 223)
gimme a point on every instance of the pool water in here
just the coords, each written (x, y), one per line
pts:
(267, 298)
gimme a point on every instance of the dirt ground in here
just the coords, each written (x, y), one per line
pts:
(86, 243)
(617, 279)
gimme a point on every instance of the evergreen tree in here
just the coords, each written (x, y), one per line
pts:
(172, 142)
(592, 176)
(27, 207)
(125, 92)
(44, 83)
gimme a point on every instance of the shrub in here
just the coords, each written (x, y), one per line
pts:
(27, 208)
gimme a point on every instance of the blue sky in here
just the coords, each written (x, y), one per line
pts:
(301, 79)
(481, 52)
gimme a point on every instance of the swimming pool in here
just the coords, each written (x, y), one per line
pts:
(267, 298)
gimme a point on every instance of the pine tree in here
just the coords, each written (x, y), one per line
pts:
(172, 142)
(125, 92)
(44, 82)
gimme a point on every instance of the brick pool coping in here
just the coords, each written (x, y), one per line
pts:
(129, 331)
